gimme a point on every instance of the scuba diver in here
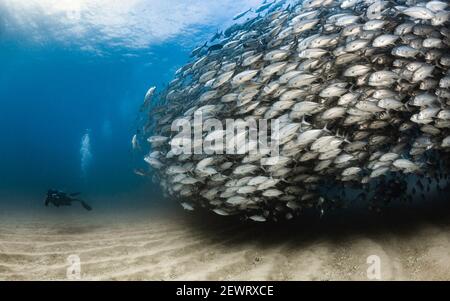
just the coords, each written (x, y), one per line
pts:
(58, 198)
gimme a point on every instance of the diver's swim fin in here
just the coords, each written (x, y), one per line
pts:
(86, 206)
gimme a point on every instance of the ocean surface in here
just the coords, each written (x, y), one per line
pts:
(73, 75)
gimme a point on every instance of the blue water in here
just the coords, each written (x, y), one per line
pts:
(57, 86)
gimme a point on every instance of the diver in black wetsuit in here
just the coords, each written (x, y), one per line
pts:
(58, 198)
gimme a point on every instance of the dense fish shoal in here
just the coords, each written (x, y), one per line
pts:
(359, 91)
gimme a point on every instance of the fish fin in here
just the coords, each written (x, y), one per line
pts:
(352, 87)
(346, 139)
(304, 121)
(397, 11)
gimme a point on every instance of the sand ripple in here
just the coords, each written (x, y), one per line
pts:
(186, 247)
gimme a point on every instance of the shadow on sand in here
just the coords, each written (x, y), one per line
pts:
(398, 220)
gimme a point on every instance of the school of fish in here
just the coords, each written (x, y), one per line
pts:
(361, 92)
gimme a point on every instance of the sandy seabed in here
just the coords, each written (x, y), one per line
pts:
(169, 244)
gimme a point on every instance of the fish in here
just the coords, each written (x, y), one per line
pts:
(140, 172)
(216, 36)
(198, 50)
(148, 97)
(418, 12)
(135, 143)
(257, 218)
(264, 6)
(241, 14)
(215, 47)
(187, 206)
(243, 77)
